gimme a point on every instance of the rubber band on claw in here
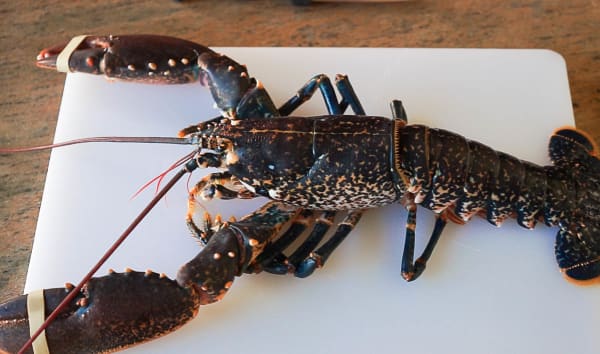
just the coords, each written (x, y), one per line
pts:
(62, 62)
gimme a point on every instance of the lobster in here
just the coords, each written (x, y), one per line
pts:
(349, 163)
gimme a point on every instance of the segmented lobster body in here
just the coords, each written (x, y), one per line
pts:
(353, 162)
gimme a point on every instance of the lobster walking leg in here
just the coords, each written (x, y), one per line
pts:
(323, 83)
(283, 265)
(319, 230)
(318, 258)
(307, 257)
(398, 111)
(348, 95)
(411, 270)
(272, 260)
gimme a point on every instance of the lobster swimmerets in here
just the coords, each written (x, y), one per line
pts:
(423, 158)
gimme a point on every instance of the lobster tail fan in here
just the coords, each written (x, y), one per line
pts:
(578, 241)
(570, 147)
(578, 253)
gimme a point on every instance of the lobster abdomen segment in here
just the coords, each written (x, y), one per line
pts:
(446, 170)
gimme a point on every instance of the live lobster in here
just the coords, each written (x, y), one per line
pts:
(410, 164)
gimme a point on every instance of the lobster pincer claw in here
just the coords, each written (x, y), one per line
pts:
(147, 58)
(122, 309)
(110, 313)
(162, 60)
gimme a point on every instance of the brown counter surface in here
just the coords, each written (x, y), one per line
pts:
(31, 98)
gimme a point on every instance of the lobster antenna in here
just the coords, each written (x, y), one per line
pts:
(162, 175)
(189, 167)
(106, 139)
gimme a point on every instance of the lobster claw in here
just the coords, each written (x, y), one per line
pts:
(146, 58)
(111, 312)
(121, 309)
(160, 60)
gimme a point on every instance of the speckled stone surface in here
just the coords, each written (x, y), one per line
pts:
(31, 97)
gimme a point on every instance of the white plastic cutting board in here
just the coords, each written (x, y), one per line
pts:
(486, 290)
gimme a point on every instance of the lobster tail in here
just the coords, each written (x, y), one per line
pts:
(578, 240)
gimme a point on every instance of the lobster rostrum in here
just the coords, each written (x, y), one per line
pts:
(334, 163)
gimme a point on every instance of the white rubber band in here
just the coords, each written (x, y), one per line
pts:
(62, 61)
(37, 316)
